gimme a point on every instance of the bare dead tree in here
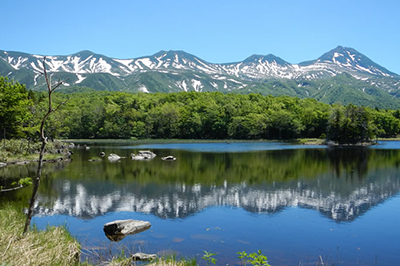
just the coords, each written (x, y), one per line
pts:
(36, 181)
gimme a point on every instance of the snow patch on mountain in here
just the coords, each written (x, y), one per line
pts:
(36, 69)
(80, 78)
(352, 56)
(35, 79)
(144, 61)
(16, 63)
(143, 88)
(197, 85)
(235, 81)
(182, 85)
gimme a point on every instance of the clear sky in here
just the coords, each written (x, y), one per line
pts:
(218, 31)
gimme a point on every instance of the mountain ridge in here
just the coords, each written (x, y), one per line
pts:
(177, 70)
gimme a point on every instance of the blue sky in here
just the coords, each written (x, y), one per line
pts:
(217, 31)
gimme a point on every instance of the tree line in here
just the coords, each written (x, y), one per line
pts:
(189, 115)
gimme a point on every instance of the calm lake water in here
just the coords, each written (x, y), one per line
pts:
(298, 204)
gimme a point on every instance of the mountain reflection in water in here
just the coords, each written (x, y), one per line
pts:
(340, 183)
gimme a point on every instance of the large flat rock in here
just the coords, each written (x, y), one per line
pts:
(117, 230)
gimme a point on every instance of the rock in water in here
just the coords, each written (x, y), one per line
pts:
(168, 158)
(119, 229)
(113, 157)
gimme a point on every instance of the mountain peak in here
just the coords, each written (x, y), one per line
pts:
(341, 55)
(84, 53)
(351, 60)
(265, 58)
(173, 53)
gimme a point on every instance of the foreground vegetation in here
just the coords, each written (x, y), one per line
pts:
(17, 150)
(189, 115)
(53, 246)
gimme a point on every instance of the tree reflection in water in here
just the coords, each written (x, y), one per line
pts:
(341, 183)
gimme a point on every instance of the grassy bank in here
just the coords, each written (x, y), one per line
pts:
(17, 150)
(53, 246)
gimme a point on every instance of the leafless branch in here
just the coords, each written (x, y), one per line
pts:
(61, 104)
(56, 85)
(11, 189)
(50, 89)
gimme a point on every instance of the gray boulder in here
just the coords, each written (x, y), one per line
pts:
(119, 229)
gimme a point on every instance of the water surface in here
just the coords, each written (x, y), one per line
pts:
(295, 203)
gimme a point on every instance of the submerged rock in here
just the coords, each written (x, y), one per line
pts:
(168, 158)
(147, 154)
(138, 157)
(95, 160)
(113, 157)
(119, 229)
(143, 155)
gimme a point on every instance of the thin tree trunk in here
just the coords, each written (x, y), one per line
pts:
(35, 189)
(36, 182)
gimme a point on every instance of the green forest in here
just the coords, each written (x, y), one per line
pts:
(188, 115)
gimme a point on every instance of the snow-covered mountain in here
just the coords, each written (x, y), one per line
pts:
(170, 71)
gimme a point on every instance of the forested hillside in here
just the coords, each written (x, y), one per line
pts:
(189, 115)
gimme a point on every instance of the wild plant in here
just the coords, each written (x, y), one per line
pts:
(208, 257)
(257, 259)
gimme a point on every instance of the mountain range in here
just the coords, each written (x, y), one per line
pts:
(340, 75)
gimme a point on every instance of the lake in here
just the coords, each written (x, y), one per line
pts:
(298, 204)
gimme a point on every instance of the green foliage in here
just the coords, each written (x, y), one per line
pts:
(350, 125)
(210, 115)
(209, 257)
(14, 108)
(193, 115)
(258, 258)
(27, 181)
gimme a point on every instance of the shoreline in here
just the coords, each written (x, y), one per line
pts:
(65, 156)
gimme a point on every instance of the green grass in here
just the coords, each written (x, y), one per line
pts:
(53, 246)
(312, 141)
(17, 150)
